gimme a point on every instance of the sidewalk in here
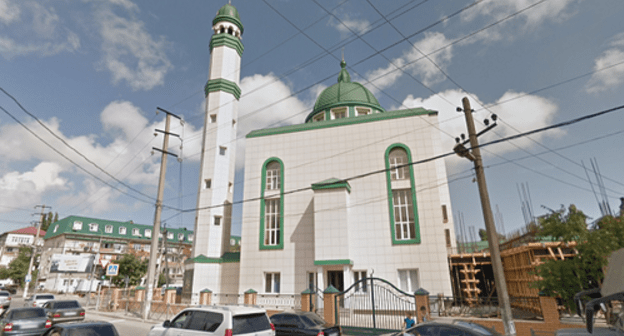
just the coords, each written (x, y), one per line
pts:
(122, 314)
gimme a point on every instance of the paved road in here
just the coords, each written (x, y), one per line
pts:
(126, 325)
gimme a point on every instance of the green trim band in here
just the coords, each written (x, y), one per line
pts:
(332, 183)
(227, 40)
(333, 262)
(228, 257)
(280, 244)
(416, 239)
(341, 122)
(224, 85)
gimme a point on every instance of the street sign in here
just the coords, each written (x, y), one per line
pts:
(104, 262)
(28, 278)
(112, 270)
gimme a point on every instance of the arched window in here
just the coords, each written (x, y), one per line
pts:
(230, 31)
(272, 205)
(402, 206)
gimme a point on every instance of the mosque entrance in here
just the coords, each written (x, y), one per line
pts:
(336, 279)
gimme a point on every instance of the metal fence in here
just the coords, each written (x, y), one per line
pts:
(279, 301)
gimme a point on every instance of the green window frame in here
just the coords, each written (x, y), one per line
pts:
(280, 243)
(416, 239)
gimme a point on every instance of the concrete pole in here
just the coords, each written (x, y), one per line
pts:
(156, 231)
(490, 226)
(96, 260)
(34, 250)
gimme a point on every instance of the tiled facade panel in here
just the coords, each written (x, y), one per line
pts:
(342, 152)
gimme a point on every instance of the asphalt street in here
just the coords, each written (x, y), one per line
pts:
(126, 325)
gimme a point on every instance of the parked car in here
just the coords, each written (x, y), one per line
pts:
(64, 311)
(10, 289)
(303, 323)
(37, 300)
(218, 321)
(5, 300)
(83, 328)
(457, 328)
(24, 322)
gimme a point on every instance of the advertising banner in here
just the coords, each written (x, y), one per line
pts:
(67, 263)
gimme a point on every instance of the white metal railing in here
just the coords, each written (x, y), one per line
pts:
(279, 301)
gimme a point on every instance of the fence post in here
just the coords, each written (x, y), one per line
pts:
(139, 294)
(331, 309)
(115, 298)
(251, 297)
(205, 297)
(550, 311)
(170, 295)
(441, 307)
(421, 297)
(306, 303)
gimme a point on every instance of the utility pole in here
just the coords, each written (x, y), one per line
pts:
(96, 260)
(490, 226)
(34, 249)
(151, 270)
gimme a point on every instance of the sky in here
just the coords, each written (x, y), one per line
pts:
(82, 79)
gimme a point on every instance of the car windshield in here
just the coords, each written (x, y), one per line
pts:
(25, 314)
(4, 293)
(98, 330)
(44, 297)
(245, 324)
(312, 319)
(66, 304)
(474, 327)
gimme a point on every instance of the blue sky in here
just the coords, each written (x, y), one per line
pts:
(93, 72)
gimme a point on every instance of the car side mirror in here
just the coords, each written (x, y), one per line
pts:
(167, 324)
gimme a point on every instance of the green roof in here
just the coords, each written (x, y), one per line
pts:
(66, 226)
(227, 257)
(228, 13)
(344, 93)
(341, 122)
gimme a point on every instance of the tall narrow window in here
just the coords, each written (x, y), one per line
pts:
(272, 283)
(272, 205)
(217, 220)
(403, 214)
(444, 214)
(222, 150)
(447, 234)
(398, 168)
(207, 183)
(402, 205)
(273, 176)
(213, 118)
(357, 276)
(272, 222)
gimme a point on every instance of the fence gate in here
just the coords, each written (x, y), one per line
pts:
(373, 305)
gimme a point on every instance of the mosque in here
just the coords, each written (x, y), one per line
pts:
(334, 199)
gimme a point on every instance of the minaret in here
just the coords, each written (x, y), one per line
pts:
(216, 177)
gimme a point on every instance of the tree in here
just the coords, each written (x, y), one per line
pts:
(18, 268)
(4, 273)
(483, 235)
(133, 268)
(565, 278)
(48, 220)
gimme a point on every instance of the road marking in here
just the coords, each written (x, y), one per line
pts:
(116, 321)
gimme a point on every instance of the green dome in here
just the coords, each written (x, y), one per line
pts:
(228, 13)
(344, 93)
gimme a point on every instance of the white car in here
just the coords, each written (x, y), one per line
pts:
(217, 321)
(37, 300)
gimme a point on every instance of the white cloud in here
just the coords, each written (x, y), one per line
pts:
(414, 62)
(40, 32)
(612, 78)
(131, 54)
(348, 25)
(9, 11)
(254, 112)
(525, 113)
(24, 189)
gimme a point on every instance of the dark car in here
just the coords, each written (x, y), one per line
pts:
(302, 323)
(24, 322)
(83, 329)
(64, 311)
(457, 328)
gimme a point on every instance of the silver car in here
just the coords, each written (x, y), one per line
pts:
(5, 300)
(37, 300)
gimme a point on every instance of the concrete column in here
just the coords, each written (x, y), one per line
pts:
(421, 297)
(157, 294)
(305, 300)
(205, 297)
(550, 311)
(170, 295)
(139, 295)
(251, 297)
(116, 295)
(330, 310)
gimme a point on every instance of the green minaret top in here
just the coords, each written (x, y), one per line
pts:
(228, 13)
(344, 76)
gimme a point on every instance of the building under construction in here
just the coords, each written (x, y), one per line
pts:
(473, 277)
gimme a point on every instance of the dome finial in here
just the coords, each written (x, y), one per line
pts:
(344, 76)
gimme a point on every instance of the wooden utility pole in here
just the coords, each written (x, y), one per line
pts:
(156, 230)
(34, 250)
(490, 226)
